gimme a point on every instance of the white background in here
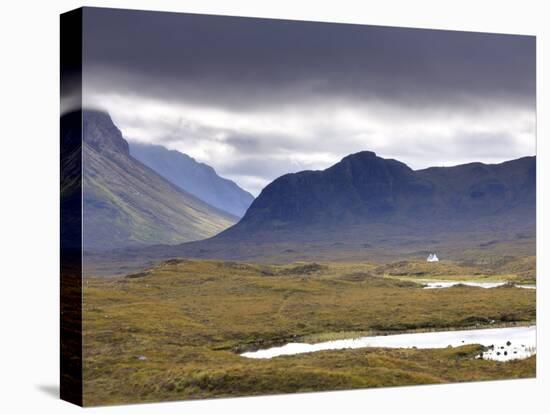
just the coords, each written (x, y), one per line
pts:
(29, 222)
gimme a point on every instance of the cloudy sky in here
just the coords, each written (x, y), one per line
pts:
(257, 98)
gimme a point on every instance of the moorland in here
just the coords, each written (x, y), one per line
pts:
(175, 331)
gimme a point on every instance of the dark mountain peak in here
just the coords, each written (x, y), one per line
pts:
(369, 162)
(364, 190)
(361, 156)
(360, 187)
(101, 133)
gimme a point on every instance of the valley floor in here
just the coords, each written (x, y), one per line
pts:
(176, 330)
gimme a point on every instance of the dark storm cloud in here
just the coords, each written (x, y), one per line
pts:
(244, 63)
(257, 98)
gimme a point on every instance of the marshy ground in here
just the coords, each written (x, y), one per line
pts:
(175, 331)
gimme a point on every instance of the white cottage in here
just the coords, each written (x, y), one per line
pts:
(432, 257)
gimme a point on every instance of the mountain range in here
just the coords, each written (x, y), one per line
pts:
(125, 203)
(364, 190)
(196, 178)
(366, 207)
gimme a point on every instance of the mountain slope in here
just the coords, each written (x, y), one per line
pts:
(194, 177)
(126, 203)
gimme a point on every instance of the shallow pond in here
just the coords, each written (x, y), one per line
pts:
(447, 284)
(442, 284)
(505, 343)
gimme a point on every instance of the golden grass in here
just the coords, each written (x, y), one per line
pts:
(173, 332)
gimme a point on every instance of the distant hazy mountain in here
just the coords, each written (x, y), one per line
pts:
(194, 177)
(125, 203)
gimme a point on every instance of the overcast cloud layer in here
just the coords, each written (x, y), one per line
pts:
(257, 98)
